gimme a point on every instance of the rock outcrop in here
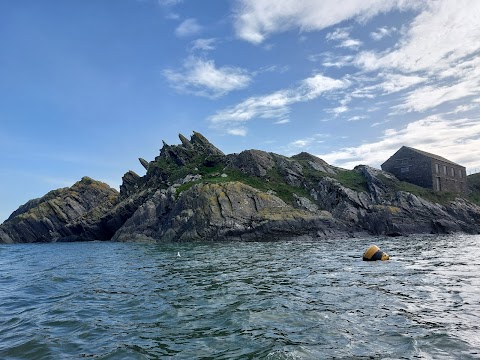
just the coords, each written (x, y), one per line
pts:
(226, 211)
(48, 219)
(194, 192)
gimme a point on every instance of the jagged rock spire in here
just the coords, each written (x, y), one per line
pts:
(200, 142)
(144, 163)
(130, 183)
(185, 142)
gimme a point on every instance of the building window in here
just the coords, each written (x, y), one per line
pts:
(437, 184)
(437, 168)
(460, 173)
(404, 169)
(444, 169)
(452, 171)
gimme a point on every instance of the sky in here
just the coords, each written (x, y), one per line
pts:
(88, 86)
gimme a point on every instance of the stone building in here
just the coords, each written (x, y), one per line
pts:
(427, 170)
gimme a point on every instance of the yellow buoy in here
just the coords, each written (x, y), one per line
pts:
(374, 253)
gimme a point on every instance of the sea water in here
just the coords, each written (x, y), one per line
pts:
(256, 300)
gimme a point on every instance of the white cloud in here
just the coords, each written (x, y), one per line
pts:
(350, 43)
(282, 121)
(338, 34)
(357, 118)
(343, 36)
(378, 123)
(464, 108)
(338, 110)
(169, 2)
(457, 140)
(444, 33)
(382, 32)
(255, 20)
(428, 97)
(203, 78)
(301, 143)
(188, 27)
(336, 61)
(397, 82)
(203, 44)
(307, 142)
(237, 131)
(439, 50)
(277, 105)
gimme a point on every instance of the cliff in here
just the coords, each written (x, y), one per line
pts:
(193, 191)
(50, 218)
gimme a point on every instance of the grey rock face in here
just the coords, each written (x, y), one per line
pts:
(229, 211)
(144, 163)
(316, 163)
(47, 219)
(200, 143)
(253, 162)
(194, 192)
(130, 184)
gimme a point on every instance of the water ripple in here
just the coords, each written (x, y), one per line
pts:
(285, 300)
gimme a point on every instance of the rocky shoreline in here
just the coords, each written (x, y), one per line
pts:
(194, 192)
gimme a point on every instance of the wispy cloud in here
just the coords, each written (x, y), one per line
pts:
(428, 97)
(464, 108)
(301, 143)
(338, 34)
(330, 60)
(350, 43)
(396, 82)
(277, 105)
(255, 20)
(169, 2)
(435, 60)
(444, 33)
(237, 131)
(338, 110)
(188, 27)
(204, 44)
(308, 141)
(342, 35)
(382, 32)
(357, 118)
(457, 140)
(201, 77)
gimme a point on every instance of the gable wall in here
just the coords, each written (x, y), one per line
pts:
(410, 166)
(422, 170)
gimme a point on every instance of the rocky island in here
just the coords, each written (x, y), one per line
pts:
(194, 192)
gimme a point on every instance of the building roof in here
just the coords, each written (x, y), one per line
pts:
(433, 156)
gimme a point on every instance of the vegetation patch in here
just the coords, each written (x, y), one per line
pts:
(473, 182)
(352, 179)
(273, 182)
(427, 194)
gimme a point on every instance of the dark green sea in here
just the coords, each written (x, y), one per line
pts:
(259, 300)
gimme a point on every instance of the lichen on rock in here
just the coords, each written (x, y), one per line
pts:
(194, 192)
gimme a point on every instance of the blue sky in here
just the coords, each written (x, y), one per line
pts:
(87, 86)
